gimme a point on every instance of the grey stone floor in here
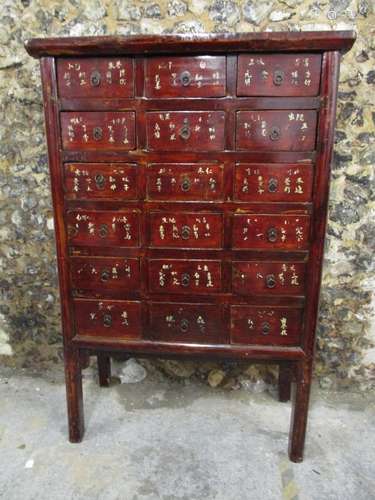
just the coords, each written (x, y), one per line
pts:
(157, 439)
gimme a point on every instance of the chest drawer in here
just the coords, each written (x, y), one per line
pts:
(108, 318)
(98, 130)
(185, 130)
(281, 232)
(101, 180)
(186, 230)
(94, 77)
(198, 276)
(98, 274)
(278, 74)
(199, 76)
(265, 325)
(103, 228)
(187, 323)
(270, 278)
(273, 182)
(185, 181)
(276, 130)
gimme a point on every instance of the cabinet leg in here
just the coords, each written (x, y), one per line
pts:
(104, 369)
(300, 408)
(74, 395)
(285, 382)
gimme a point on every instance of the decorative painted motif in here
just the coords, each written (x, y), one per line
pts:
(198, 76)
(173, 181)
(278, 75)
(98, 130)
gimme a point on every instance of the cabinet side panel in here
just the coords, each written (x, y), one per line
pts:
(325, 137)
(51, 114)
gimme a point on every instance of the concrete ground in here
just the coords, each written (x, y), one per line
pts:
(158, 439)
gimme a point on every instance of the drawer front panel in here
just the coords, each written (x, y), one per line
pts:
(276, 130)
(98, 130)
(101, 180)
(180, 182)
(107, 318)
(186, 230)
(278, 75)
(278, 182)
(185, 130)
(95, 77)
(104, 274)
(103, 228)
(197, 323)
(200, 76)
(281, 232)
(266, 325)
(270, 278)
(198, 276)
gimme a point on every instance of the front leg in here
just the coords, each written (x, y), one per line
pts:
(74, 395)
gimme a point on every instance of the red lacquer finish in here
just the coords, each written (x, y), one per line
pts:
(108, 318)
(198, 76)
(278, 75)
(273, 182)
(190, 179)
(96, 228)
(184, 276)
(95, 77)
(268, 278)
(185, 130)
(104, 130)
(84, 181)
(292, 130)
(266, 325)
(186, 230)
(185, 182)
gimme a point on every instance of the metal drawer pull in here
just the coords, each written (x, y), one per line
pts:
(185, 279)
(95, 78)
(266, 328)
(272, 185)
(270, 281)
(105, 275)
(186, 78)
(72, 231)
(185, 232)
(97, 133)
(184, 325)
(278, 77)
(185, 184)
(185, 130)
(99, 181)
(272, 234)
(107, 320)
(103, 230)
(275, 134)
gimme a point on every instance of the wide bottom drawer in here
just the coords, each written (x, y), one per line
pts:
(187, 323)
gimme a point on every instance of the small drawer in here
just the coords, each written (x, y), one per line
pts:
(187, 323)
(199, 76)
(98, 130)
(185, 181)
(95, 77)
(276, 130)
(186, 230)
(97, 274)
(101, 180)
(278, 74)
(103, 228)
(271, 232)
(185, 130)
(189, 276)
(107, 318)
(273, 182)
(266, 325)
(268, 278)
